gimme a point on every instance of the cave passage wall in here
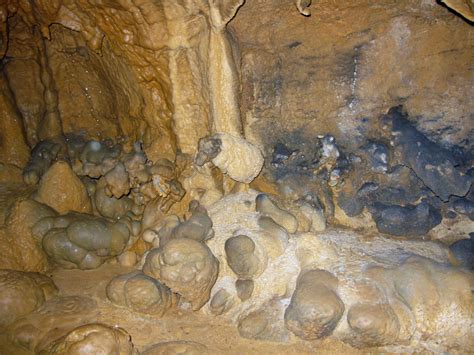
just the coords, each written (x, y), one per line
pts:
(339, 69)
(266, 175)
(114, 72)
(143, 70)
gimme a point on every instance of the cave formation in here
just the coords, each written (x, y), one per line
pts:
(231, 176)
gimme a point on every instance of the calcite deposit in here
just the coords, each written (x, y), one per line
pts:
(93, 338)
(22, 293)
(333, 282)
(230, 176)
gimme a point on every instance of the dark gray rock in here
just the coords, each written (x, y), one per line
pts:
(464, 206)
(463, 250)
(409, 220)
(433, 164)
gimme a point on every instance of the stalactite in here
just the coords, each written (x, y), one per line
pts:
(50, 126)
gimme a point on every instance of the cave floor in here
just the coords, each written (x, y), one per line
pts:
(218, 336)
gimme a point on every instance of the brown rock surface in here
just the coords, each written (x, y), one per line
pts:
(160, 75)
(187, 267)
(176, 330)
(177, 347)
(338, 69)
(53, 320)
(22, 293)
(93, 339)
(62, 190)
(20, 250)
(76, 240)
(10, 174)
(141, 293)
(13, 148)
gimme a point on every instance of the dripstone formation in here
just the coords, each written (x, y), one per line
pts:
(210, 176)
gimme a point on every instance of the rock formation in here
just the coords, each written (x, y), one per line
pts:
(221, 176)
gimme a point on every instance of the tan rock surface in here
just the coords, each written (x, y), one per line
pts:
(20, 250)
(463, 7)
(62, 190)
(13, 146)
(179, 347)
(362, 269)
(22, 293)
(70, 311)
(168, 73)
(93, 338)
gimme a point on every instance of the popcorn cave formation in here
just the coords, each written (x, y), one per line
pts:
(236, 177)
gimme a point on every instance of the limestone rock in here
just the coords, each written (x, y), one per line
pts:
(54, 319)
(93, 339)
(13, 148)
(9, 173)
(268, 208)
(296, 86)
(82, 241)
(233, 155)
(177, 347)
(303, 7)
(187, 267)
(128, 258)
(21, 293)
(463, 7)
(42, 156)
(315, 308)
(463, 252)
(381, 299)
(241, 257)
(434, 165)
(21, 250)
(141, 293)
(62, 190)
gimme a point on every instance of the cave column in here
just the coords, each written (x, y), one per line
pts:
(223, 74)
(187, 60)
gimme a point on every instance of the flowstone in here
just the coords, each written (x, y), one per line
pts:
(366, 292)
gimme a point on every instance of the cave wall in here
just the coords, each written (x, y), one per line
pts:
(94, 92)
(141, 69)
(168, 73)
(339, 69)
(144, 70)
(110, 65)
